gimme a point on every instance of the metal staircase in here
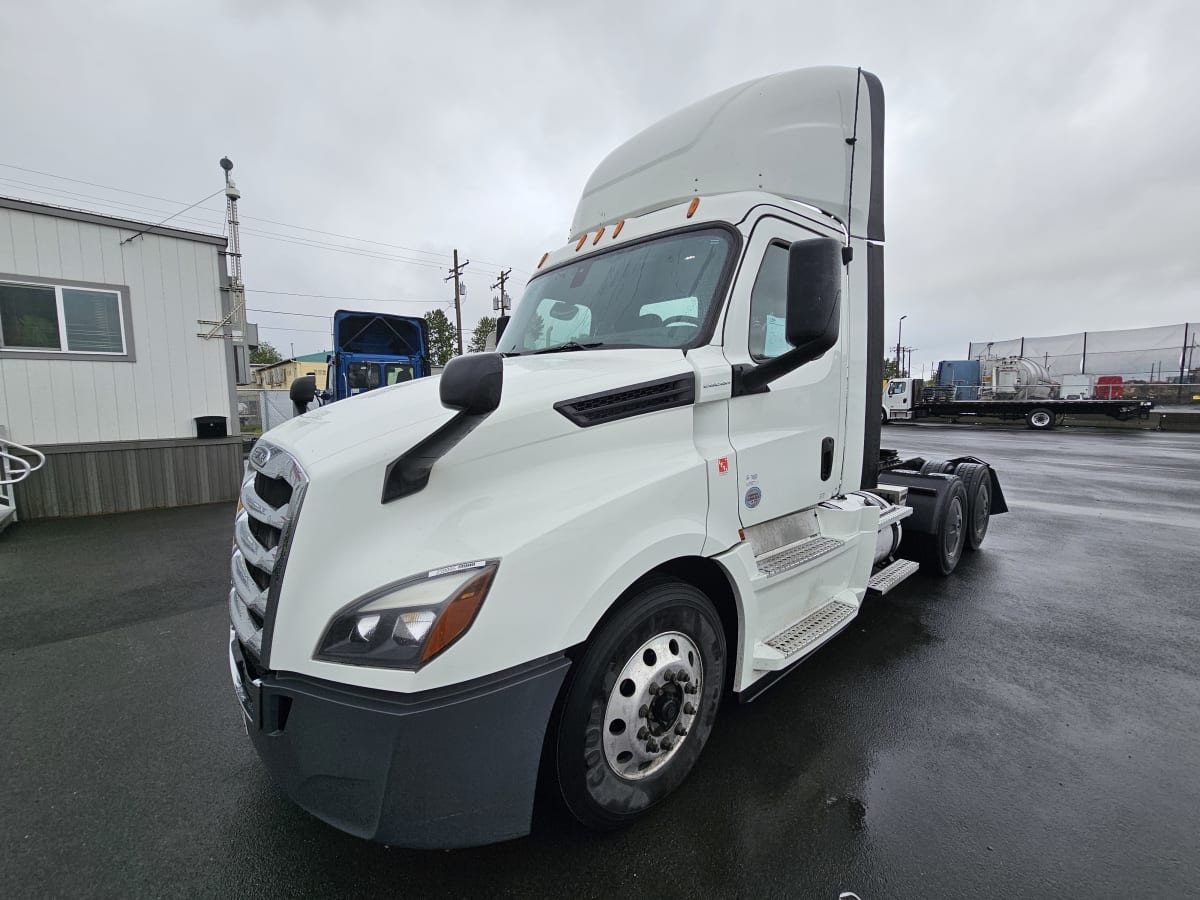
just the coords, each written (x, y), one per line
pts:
(14, 468)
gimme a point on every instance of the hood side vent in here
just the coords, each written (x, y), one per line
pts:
(634, 400)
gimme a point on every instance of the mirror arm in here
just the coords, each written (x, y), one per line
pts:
(751, 379)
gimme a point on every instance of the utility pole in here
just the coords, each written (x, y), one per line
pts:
(899, 332)
(456, 274)
(502, 303)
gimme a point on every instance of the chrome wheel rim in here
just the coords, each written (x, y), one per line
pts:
(1041, 419)
(653, 705)
(954, 528)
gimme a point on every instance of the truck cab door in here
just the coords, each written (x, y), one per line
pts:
(789, 440)
(898, 394)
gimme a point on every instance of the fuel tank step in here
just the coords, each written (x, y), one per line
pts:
(886, 579)
(805, 636)
(797, 554)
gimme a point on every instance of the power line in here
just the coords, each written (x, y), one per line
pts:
(48, 189)
(335, 297)
(169, 218)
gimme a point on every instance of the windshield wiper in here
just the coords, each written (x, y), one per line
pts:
(568, 346)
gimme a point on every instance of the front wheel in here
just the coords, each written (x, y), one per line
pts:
(640, 704)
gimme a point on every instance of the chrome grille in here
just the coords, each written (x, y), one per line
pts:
(271, 493)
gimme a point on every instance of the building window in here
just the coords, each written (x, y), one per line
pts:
(61, 318)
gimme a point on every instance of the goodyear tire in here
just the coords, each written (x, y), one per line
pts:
(940, 552)
(978, 481)
(639, 705)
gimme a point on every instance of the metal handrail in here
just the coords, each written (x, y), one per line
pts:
(24, 467)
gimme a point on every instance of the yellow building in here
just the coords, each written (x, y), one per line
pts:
(280, 375)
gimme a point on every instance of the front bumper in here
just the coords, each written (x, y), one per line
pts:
(454, 767)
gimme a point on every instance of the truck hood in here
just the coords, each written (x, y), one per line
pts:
(390, 420)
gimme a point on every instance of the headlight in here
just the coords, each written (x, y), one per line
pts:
(406, 624)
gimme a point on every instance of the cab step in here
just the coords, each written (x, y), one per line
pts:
(886, 579)
(797, 554)
(806, 635)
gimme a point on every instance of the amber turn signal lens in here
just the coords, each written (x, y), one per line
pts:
(458, 615)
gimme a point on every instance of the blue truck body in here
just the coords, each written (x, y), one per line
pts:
(374, 350)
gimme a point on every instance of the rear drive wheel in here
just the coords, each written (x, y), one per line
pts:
(941, 551)
(640, 705)
(1040, 419)
(978, 481)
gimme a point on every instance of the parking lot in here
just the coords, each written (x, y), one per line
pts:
(1027, 728)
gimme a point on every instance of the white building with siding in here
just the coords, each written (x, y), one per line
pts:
(103, 351)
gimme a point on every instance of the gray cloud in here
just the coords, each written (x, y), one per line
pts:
(1041, 157)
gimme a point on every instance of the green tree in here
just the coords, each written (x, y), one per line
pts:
(442, 343)
(483, 330)
(890, 370)
(265, 354)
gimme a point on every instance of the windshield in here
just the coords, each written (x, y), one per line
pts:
(654, 294)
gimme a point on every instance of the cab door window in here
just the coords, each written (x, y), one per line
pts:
(768, 306)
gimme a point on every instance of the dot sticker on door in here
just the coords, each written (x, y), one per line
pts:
(753, 496)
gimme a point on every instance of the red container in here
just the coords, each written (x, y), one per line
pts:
(1110, 387)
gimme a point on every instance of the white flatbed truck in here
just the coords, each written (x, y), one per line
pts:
(665, 489)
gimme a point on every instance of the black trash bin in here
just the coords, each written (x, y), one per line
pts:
(212, 427)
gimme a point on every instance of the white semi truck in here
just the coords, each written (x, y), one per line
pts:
(665, 489)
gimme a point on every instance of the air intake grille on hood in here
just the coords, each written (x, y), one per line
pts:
(621, 403)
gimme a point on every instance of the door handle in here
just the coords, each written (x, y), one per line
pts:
(826, 458)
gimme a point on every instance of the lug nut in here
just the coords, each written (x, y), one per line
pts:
(668, 675)
(643, 733)
(652, 745)
(653, 689)
(667, 743)
(680, 730)
(643, 711)
(690, 689)
(688, 709)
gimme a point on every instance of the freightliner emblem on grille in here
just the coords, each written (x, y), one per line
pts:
(260, 455)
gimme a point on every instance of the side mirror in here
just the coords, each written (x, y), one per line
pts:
(813, 318)
(814, 294)
(302, 392)
(473, 383)
(501, 324)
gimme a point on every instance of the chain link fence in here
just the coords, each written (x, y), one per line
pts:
(1160, 363)
(260, 410)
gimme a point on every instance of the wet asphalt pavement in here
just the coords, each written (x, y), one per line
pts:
(1027, 728)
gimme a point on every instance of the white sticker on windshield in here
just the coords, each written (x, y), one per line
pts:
(775, 340)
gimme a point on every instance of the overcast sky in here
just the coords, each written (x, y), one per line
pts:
(1043, 159)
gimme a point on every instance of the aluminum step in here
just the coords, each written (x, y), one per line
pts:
(795, 555)
(886, 579)
(8, 515)
(894, 515)
(805, 636)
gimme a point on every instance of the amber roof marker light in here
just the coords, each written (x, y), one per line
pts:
(617, 230)
(542, 261)
(599, 234)
(581, 240)
(692, 207)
